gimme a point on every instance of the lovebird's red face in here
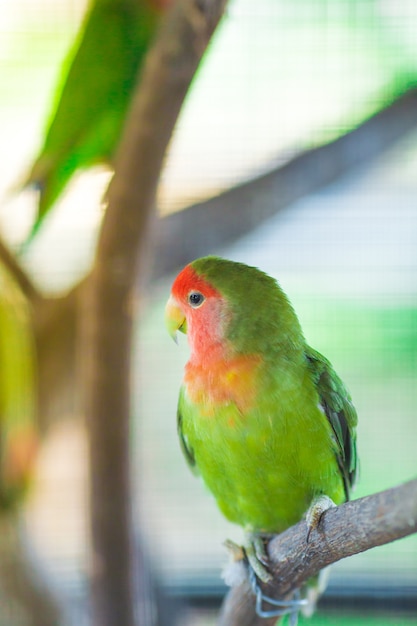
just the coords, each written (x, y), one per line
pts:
(195, 307)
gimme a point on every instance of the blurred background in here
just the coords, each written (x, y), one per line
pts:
(279, 79)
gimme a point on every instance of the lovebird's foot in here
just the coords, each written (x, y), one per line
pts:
(319, 506)
(256, 554)
(258, 566)
(252, 557)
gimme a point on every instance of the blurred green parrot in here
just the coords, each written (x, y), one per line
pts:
(18, 432)
(93, 94)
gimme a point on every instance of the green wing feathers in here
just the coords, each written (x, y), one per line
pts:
(185, 447)
(338, 407)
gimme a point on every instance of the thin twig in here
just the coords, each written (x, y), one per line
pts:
(343, 531)
(19, 273)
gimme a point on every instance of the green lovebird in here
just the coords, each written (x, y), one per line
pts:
(262, 417)
(93, 93)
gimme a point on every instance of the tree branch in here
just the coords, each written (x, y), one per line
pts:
(348, 529)
(20, 275)
(108, 315)
(237, 211)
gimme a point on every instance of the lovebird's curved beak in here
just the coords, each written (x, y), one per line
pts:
(174, 319)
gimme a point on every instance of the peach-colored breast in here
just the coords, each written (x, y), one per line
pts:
(223, 382)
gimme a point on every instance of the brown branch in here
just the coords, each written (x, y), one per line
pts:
(56, 326)
(107, 341)
(343, 531)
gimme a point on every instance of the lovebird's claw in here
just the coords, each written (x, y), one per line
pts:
(319, 506)
(237, 552)
(258, 566)
(285, 607)
(255, 552)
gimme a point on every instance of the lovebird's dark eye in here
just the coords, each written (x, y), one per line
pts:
(196, 299)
